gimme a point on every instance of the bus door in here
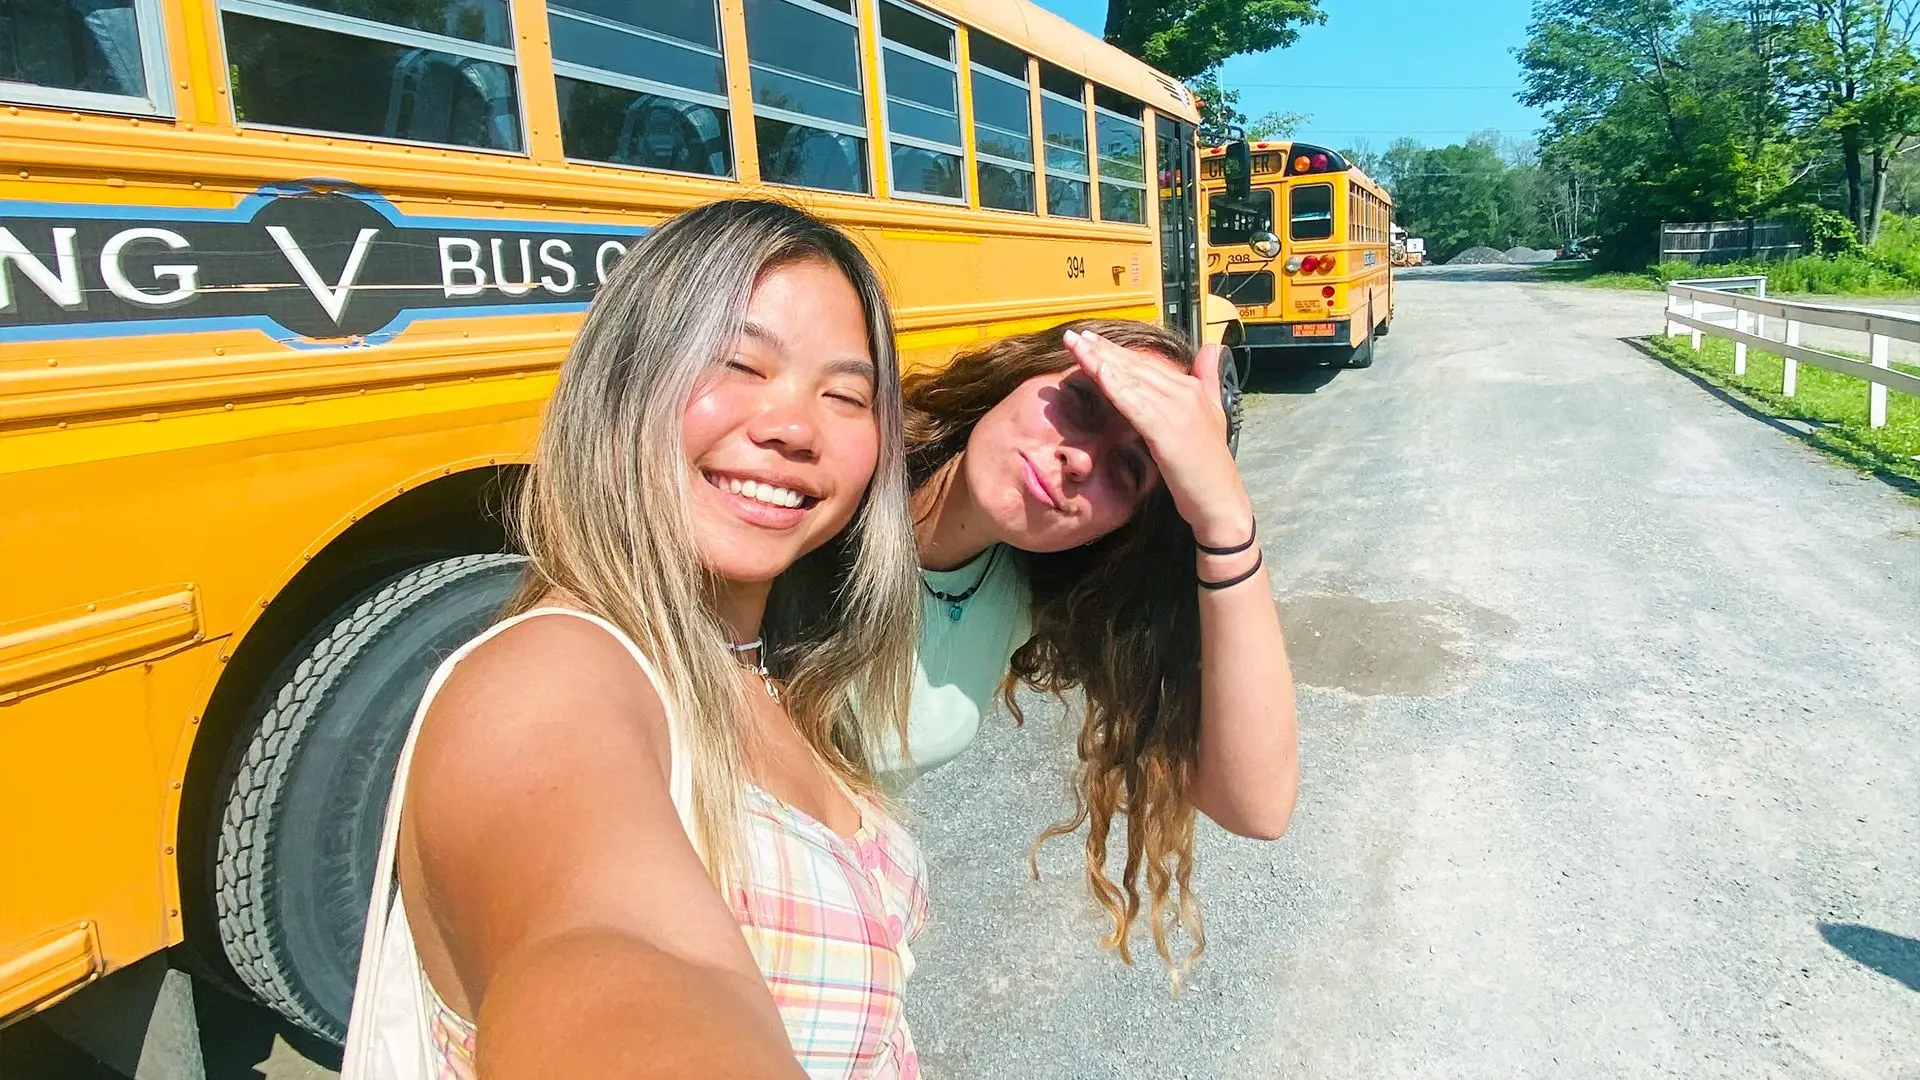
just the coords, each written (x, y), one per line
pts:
(1179, 227)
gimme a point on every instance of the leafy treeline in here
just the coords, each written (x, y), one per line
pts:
(1479, 193)
(1690, 110)
(1190, 39)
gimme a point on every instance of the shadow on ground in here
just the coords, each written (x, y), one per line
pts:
(1293, 371)
(1807, 431)
(1896, 957)
(238, 1041)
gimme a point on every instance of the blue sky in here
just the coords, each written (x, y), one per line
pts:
(1442, 69)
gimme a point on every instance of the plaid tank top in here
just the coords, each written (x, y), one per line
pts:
(829, 920)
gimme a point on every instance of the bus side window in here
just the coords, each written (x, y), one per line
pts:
(919, 68)
(1121, 141)
(1063, 120)
(642, 84)
(810, 111)
(1002, 124)
(304, 68)
(101, 55)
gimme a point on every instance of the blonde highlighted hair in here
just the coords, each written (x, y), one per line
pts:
(604, 514)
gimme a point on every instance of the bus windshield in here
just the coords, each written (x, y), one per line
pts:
(1231, 222)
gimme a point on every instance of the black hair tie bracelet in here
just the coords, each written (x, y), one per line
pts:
(1235, 549)
(1259, 558)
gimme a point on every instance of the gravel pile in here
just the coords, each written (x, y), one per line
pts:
(1528, 255)
(1477, 256)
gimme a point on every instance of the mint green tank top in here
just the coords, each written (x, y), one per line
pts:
(961, 661)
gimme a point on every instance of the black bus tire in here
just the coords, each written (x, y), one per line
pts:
(307, 791)
(1362, 355)
(1233, 379)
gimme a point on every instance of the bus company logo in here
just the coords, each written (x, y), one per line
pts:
(313, 262)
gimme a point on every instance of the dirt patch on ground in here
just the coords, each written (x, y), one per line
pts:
(1405, 648)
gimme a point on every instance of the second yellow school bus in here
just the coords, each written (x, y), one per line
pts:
(284, 285)
(1304, 260)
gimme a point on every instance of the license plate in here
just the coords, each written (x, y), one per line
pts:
(1313, 329)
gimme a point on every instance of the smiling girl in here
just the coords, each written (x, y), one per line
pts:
(1081, 523)
(634, 831)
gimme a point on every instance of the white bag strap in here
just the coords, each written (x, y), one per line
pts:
(359, 1062)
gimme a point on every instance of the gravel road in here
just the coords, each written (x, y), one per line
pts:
(1611, 759)
(1612, 766)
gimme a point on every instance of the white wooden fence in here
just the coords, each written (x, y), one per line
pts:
(1738, 310)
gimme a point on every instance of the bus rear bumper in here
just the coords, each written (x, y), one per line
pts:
(1289, 334)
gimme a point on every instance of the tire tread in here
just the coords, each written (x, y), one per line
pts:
(243, 870)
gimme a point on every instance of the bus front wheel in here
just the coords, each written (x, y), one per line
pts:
(306, 791)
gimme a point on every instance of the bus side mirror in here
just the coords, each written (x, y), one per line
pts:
(1238, 168)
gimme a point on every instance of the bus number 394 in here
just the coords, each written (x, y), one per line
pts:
(1076, 266)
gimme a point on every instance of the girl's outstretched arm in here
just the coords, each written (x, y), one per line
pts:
(553, 894)
(1248, 773)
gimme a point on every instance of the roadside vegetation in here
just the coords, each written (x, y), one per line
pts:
(1835, 404)
(1890, 268)
(1802, 111)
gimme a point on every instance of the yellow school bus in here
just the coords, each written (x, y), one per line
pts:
(1303, 257)
(283, 287)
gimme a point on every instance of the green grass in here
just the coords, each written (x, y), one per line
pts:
(1845, 275)
(1836, 402)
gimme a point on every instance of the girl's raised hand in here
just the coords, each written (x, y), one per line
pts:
(1185, 428)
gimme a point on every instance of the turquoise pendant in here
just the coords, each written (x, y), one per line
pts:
(954, 612)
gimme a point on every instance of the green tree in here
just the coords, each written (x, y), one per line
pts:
(1667, 107)
(1187, 37)
(1465, 195)
(1220, 114)
(1277, 124)
(1851, 74)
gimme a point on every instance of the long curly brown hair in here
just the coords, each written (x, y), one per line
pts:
(1118, 618)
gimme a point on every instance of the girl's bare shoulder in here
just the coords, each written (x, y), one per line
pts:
(549, 686)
